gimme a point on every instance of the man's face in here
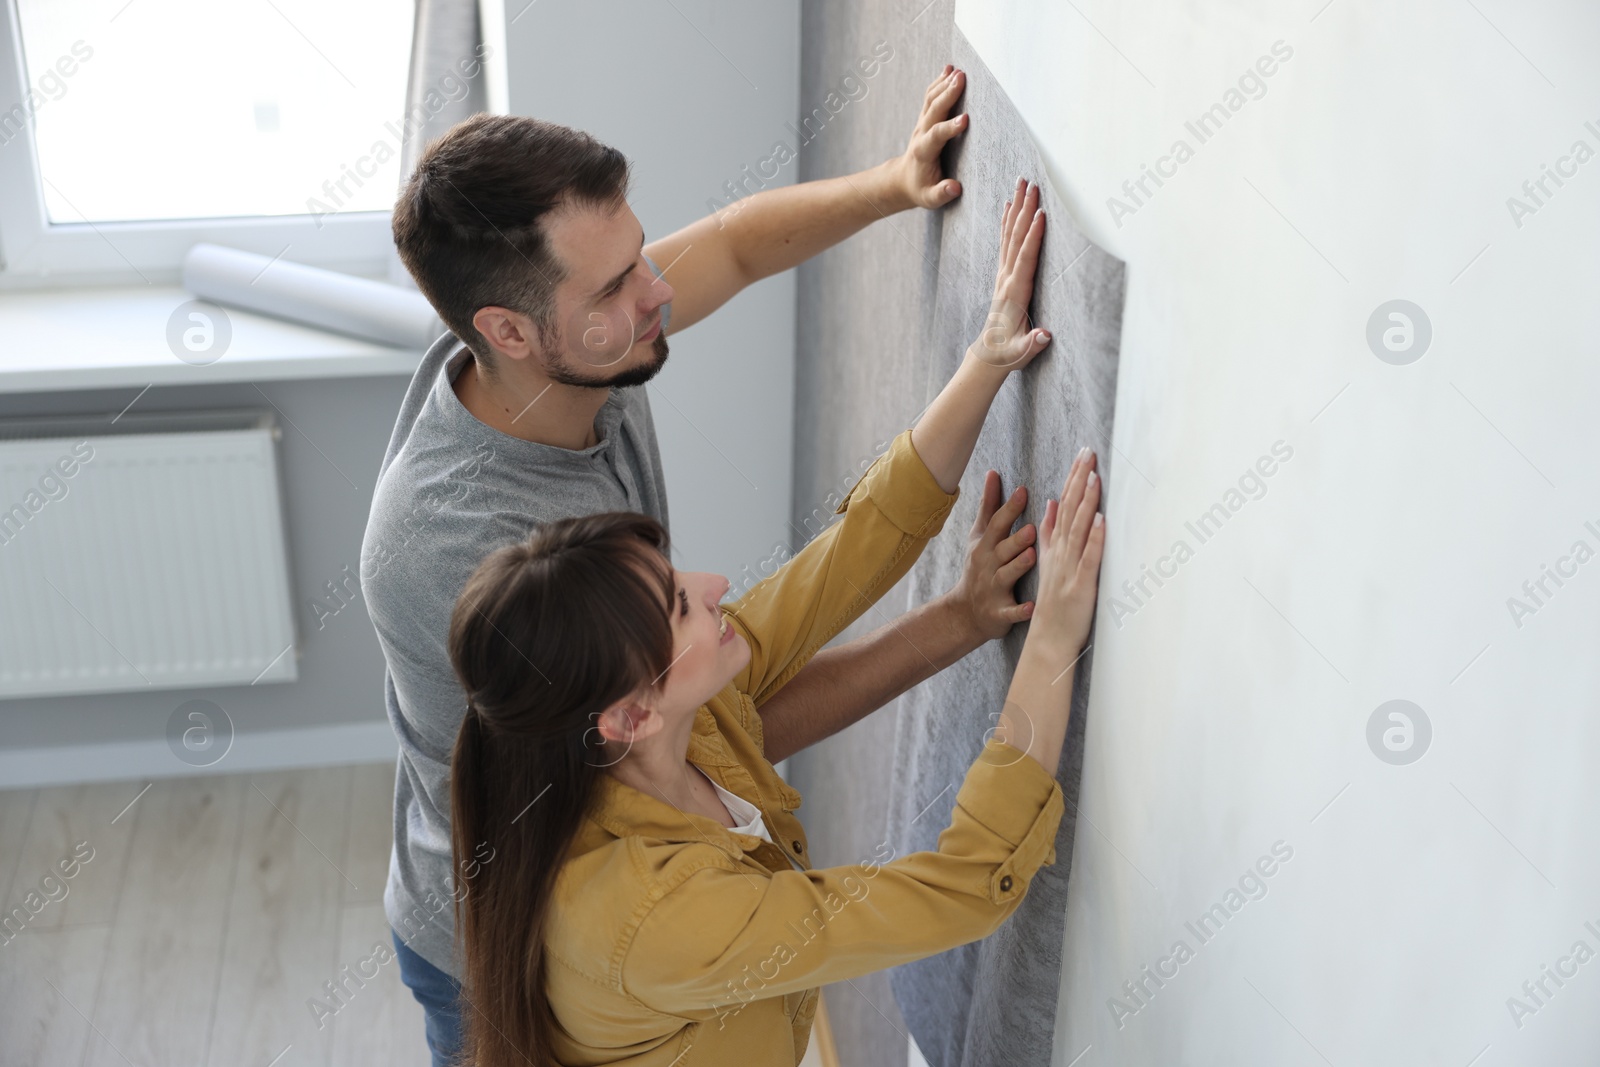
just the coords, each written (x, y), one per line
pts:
(608, 311)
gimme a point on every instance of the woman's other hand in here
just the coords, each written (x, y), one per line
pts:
(984, 598)
(1071, 540)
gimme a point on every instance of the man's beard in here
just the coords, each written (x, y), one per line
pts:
(561, 369)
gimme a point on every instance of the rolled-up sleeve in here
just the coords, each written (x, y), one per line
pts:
(721, 937)
(890, 514)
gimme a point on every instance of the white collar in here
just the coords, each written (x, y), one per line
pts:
(743, 812)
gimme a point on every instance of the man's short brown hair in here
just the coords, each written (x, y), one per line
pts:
(466, 223)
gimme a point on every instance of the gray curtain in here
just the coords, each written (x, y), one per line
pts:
(446, 33)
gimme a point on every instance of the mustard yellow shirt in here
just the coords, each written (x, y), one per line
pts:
(675, 941)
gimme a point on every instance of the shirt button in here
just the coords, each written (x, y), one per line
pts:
(796, 845)
(1005, 883)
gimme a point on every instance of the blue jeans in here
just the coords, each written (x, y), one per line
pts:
(437, 993)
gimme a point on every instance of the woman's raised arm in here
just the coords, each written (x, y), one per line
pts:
(787, 617)
(717, 938)
(948, 430)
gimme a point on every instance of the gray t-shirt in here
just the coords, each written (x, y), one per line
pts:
(450, 491)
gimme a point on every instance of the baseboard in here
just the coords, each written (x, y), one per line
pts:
(314, 746)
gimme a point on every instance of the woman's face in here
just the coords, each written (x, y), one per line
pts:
(707, 649)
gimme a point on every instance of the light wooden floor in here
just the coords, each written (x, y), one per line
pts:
(211, 913)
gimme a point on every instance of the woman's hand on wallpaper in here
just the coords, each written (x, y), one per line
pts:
(1071, 540)
(1009, 339)
(996, 558)
(918, 171)
(1038, 704)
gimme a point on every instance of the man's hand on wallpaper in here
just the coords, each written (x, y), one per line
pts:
(918, 172)
(985, 599)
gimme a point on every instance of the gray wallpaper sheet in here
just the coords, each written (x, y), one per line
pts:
(994, 1001)
(884, 319)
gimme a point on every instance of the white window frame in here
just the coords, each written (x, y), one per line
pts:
(35, 251)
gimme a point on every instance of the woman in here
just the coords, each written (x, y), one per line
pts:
(634, 885)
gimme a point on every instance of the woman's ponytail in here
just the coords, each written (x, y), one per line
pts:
(545, 635)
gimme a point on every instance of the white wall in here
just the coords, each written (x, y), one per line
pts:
(1231, 708)
(691, 92)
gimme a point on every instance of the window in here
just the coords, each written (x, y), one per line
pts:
(142, 126)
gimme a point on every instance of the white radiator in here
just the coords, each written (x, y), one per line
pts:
(134, 560)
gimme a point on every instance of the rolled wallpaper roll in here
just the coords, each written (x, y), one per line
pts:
(360, 307)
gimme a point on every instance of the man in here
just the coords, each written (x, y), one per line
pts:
(533, 408)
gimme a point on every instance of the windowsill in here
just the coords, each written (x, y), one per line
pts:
(96, 338)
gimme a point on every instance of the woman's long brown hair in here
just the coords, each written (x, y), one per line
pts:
(545, 635)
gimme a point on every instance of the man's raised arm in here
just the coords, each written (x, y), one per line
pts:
(711, 259)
